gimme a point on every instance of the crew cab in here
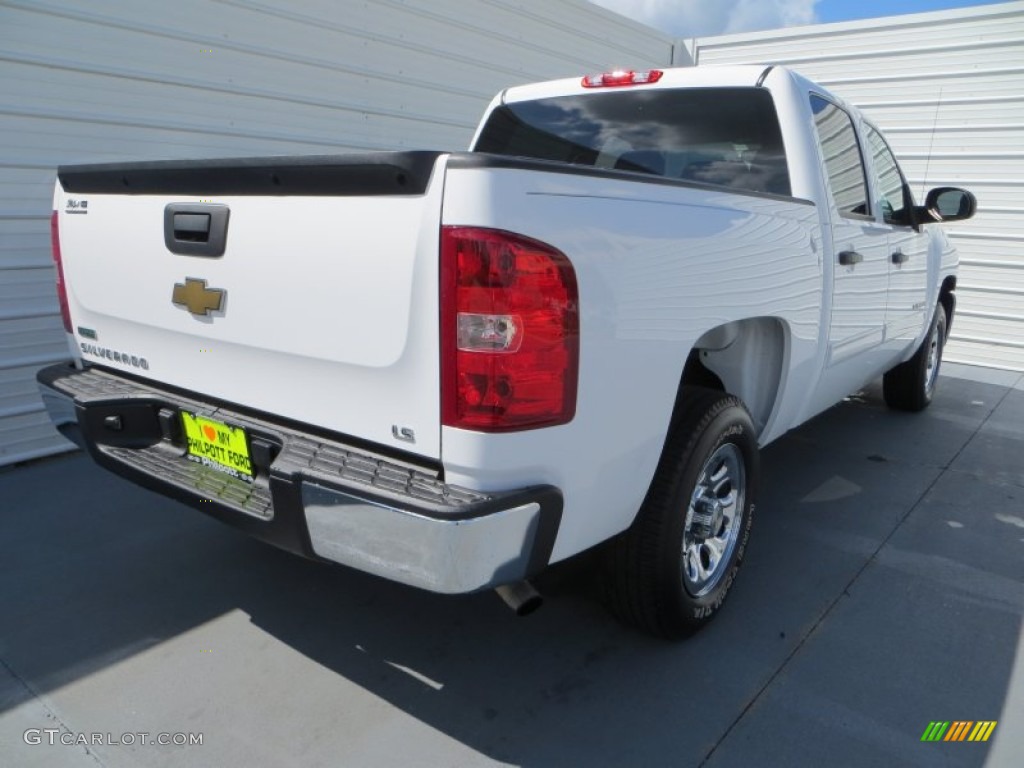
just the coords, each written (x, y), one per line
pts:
(453, 369)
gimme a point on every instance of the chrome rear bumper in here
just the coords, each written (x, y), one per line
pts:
(318, 496)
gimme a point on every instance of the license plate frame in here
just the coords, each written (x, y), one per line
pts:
(216, 444)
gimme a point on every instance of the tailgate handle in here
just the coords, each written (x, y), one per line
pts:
(196, 229)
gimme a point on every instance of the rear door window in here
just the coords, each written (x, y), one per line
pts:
(844, 163)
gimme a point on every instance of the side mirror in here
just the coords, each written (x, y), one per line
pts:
(947, 204)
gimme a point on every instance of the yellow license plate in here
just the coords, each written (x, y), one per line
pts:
(217, 445)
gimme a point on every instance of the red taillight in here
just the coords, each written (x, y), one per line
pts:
(62, 291)
(622, 77)
(509, 332)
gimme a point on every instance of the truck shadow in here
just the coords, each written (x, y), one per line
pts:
(855, 590)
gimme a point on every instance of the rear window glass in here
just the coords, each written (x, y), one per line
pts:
(724, 136)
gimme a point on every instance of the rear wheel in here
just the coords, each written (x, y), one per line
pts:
(910, 386)
(669, 574)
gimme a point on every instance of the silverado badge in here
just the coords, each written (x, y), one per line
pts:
(194, 296)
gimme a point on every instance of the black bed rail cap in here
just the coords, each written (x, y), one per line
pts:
(370, 174)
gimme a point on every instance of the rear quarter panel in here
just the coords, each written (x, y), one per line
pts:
(657, 266)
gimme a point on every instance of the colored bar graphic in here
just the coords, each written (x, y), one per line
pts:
(959, 730)
(982, 730)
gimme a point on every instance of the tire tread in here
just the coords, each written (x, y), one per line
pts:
(903, 385)
(634, 590)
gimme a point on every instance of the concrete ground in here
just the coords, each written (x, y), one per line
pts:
(884, 590)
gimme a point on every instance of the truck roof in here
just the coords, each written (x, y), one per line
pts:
(706, 76)
(732, 75)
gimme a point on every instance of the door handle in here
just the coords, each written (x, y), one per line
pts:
(899, 257)
(849, 258)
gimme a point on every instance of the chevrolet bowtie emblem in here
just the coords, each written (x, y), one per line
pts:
(194, 296)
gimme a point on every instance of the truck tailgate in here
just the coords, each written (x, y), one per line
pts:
(322, 308)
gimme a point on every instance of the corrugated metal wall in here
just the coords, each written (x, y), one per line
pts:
(948, 91)
(108, 80)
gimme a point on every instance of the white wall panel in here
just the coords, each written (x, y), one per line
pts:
(110, 80)
(948, 90)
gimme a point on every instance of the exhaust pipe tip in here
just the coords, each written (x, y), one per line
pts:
(521, 597)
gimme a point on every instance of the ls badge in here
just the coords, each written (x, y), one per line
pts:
(194, 296)
(405, 434)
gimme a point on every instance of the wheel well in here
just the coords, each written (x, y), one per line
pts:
(695, 374)
(947, 297)
(743, 358)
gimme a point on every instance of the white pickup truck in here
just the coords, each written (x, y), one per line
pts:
(454, 369)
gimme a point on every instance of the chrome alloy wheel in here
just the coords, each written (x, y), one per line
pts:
(713, 520)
